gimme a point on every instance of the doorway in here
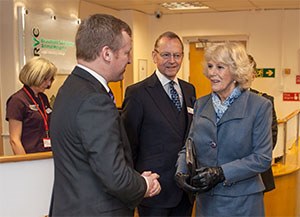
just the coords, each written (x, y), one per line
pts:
(197, 78)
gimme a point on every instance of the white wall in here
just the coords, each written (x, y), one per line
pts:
(26, 188)
(274, 41)
(9, 63)
(86, 9)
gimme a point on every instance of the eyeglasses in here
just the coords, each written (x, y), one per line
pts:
(167, 55)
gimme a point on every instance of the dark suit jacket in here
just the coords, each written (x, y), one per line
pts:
(93, 166)
(267, 176)
(154, 135)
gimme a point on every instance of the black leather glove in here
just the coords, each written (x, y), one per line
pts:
(182, 182)
(207, 178)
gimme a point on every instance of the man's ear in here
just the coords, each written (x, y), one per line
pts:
(107, 53)
(154, 56)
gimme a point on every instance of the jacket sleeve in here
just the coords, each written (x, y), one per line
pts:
(274, 119)
(274, 124)
(100, 130)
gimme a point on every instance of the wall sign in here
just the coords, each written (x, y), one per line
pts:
(44, 46)
(289, 96)
(265, 73)
(297, 79)
(51, 37)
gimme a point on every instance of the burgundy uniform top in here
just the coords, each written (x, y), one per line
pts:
(20, 107)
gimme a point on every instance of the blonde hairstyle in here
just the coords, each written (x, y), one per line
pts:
(253, 64)
(233, 55)
(36, 71)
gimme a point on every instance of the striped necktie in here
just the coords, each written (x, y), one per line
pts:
(110, 93)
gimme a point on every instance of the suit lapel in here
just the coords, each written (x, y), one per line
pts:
(160, 99)
(99, 87)
(189, 100)
(208, 110)
(237, 109)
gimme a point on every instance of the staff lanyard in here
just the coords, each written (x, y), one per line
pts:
(43, 113)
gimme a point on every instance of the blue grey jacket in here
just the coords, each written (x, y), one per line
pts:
(241, 143)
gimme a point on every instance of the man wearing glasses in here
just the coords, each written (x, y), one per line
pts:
(157, 113)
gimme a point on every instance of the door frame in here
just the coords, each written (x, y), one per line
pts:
(205, 40)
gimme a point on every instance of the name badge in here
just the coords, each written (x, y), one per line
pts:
(47, 142)
(48, 111)
(190, 110)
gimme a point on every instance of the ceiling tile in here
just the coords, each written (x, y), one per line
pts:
(149, 6)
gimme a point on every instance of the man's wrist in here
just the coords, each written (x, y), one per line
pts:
(147, 184)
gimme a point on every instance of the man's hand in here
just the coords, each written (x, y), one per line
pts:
(208, 177)
(181, 180)
(153, 186)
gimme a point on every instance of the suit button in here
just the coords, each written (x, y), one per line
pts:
(213, 145)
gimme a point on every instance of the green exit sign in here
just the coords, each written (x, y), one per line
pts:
(265, 73)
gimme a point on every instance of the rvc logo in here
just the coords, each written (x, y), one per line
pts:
(36, 42)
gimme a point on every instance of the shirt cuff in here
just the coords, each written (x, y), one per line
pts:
(147, 183)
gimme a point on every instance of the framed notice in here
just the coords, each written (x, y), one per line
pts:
(142, 64)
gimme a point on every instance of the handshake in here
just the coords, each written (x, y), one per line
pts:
(204, 180)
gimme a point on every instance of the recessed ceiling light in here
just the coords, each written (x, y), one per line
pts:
(183, 5)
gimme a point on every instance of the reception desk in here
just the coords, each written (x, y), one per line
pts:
(284, 200)
(26, 185)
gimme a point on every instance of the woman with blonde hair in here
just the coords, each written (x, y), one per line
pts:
(232, 138)
(28, 110)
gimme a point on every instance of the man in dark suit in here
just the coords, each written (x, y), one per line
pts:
(157, 116)
(94, 173)
(267, 176)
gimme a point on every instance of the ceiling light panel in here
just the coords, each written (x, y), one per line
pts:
(183, 5)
